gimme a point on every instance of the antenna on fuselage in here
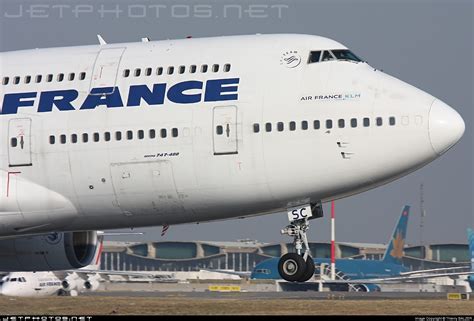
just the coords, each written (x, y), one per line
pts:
(101, 40)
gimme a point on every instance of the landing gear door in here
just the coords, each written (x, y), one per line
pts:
(105, 70)
(225, 130)
(19, 142)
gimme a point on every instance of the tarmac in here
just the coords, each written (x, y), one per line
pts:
(239, 303)
(296, 295)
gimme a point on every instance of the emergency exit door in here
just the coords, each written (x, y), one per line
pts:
(225, 130)
(19, 142)
(105, 70)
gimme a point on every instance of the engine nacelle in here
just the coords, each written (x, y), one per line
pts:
(91, 284)
(69, 284)
(54, 251)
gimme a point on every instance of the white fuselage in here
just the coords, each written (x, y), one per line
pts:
(217, 167)
(30, 284)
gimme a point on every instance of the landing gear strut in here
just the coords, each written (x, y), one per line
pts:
(299, 266)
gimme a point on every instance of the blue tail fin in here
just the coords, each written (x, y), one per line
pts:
(394, 252)
(470, 239)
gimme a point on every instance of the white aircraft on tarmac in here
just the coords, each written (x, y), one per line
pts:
(69, 282)
(179, 131)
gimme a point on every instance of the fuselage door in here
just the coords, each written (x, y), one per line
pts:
(19, 142)
(105, 70)
(225, 130)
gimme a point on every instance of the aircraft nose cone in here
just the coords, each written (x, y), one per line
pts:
(446, 127)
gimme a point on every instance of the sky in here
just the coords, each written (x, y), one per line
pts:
(428, 44)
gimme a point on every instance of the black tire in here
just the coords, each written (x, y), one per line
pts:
(309, 271)
(291, 267)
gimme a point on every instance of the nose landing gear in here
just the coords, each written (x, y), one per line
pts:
(299, 266)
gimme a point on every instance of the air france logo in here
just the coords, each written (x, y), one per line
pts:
(186, 92)
(290, 59)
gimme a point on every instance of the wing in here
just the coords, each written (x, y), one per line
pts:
(241, 274)
(399, 278)
(106, 274)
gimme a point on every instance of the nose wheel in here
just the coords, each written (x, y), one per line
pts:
(293, 268)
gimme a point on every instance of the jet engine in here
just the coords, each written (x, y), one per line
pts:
(54, 251)
(91, 284)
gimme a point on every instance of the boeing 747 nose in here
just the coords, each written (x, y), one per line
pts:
(446, 127)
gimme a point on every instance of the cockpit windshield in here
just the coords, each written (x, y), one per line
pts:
(344, 54)
(336, 54)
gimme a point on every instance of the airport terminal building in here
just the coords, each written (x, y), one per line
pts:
(244, 255)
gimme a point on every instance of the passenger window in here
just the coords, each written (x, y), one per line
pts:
(39, 78)
(74, 138)
(141, 134)
(170, 70)
(159, 71)
(72, 76)
(204, 68)
(182, 69)
(163, 133)
(118, 136)
(82, 76)
(379, 121)
(129, 135)
(27, 79)
(314, 56)
(5, 80)
(174, 132)
(85, 138)
(268, 127)
(304, 125)
(16, 80)
(391, 121)
(226, 67)
(256, 128)
(152, 133)
(328, 123)
(366, 122)
(341, 123)
(126, 73)
(107, 136)
(60, 77)
(96, 137)
(52, 140)
(280, 126)
(14, 142)
(292, 125)
(49, 78)
(148, 71)
(316, 124)
(219, 130)
(215, 68)
(192, 69)
(62, 139)
(138, 72)
(327, 56)
(354, 122)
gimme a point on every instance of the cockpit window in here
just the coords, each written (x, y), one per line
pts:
(314, 56)
(329, 55)
(344, 54)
